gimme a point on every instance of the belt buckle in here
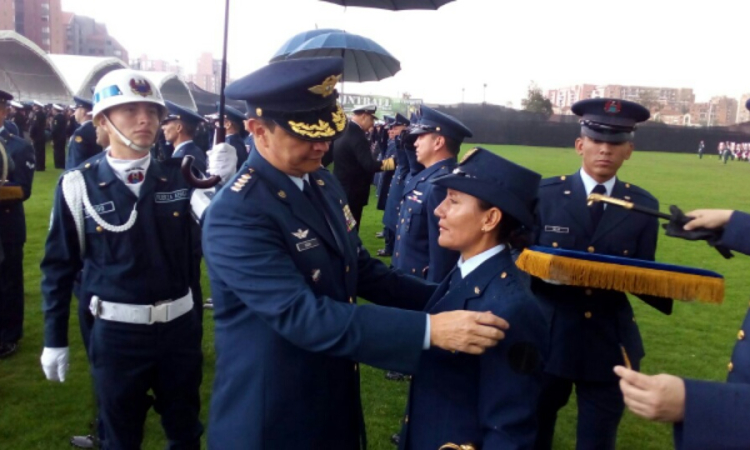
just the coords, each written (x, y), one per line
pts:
(95, 306)
(158, 312)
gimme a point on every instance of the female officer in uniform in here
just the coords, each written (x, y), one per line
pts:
(460, 401)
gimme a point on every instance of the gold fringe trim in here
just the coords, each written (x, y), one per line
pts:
(11, 193)
(636, 280)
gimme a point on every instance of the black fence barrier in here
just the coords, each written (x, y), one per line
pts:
(492, 124)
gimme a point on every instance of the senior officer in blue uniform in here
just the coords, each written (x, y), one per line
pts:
(590, 329)
(82, 144)
(124, 218)
(234, 125)
(488, 401)
(14, 190)
(392, 192)
(438, 141)
(706, 414)
(286, 266)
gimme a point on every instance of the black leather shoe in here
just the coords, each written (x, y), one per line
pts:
(395, 376)
(395, 439)
(7, 349)
(89, 441)
(379, 235)
(383, 252)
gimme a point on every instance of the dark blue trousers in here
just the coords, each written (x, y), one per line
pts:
(11, 293)
(600, 407)
(130, 360)
(389, 234)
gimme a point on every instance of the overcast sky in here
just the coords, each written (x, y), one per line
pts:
(505, 44)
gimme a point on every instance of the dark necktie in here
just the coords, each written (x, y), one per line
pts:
(597, 209)
(456, 278)
(314, 196)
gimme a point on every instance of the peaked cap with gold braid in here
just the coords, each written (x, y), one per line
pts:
(298, 94)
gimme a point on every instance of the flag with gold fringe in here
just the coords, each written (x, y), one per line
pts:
(636, 276)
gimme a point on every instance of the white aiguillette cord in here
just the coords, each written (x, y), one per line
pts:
(77, 198)
(4, 174)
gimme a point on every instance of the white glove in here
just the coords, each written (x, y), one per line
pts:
(55, 363)
(222, 161)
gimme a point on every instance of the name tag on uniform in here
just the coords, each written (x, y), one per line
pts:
(307, 245)
(556, 229)
(101, 209)
(169, 197)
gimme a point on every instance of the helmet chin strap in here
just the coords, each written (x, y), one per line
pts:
(132, 145)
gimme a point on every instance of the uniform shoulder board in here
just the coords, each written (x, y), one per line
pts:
(244, 181)
(636, 190)
(553, 181)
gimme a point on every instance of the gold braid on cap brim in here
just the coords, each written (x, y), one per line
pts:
(322, 128)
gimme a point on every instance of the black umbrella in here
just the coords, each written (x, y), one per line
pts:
(297, 40)
(364, 59)
(393, 5)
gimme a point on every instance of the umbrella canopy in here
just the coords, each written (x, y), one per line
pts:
(299, 39)
(364, 59)
(393, 5)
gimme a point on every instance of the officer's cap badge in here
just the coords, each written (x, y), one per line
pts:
(612, 107)
(326, 88)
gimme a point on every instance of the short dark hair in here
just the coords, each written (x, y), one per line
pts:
(189, 128)
(453, 146)
(510, 231)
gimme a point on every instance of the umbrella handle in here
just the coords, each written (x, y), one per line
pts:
(187, 171)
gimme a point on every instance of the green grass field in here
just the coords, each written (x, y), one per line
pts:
(696, 341)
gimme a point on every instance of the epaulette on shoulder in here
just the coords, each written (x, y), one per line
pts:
(552, 181)
(244, 181)
(637, 190)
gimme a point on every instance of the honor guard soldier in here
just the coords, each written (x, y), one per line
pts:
(387, 183)
(286, 265)
(353, 163)
(16, 178)
(438, 141)
(57, 131)
(235, 126)
(82, 145)
(38, 135)
(591, 329)
(125, 219)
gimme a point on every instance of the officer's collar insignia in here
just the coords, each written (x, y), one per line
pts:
(326, 88)
(79, 139)
(140, 87)
(300, 234)
(612, 107)
(321, 182)
(316, 275)
(468, 155)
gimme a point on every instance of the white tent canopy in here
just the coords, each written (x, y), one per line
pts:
(81, 73)
(27, 73)
(173, 89)
(30, 74)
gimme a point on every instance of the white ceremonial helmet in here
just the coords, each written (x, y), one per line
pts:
(124, 86)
